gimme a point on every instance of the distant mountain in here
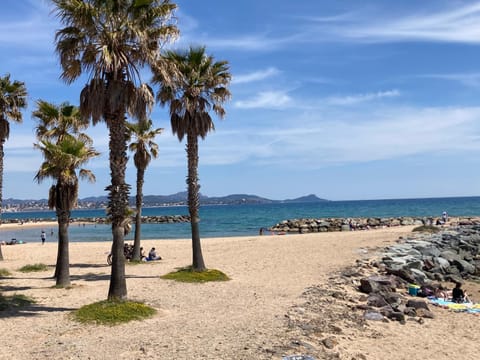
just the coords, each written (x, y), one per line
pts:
(180, 198)
(305, 199)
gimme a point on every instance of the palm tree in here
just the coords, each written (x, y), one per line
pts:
(13, 98)
(56, 122)
(144, 148)
(199, 86)
(65, 148)
(112, 40)
(62, 160)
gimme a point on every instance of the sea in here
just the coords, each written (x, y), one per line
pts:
(244, 219)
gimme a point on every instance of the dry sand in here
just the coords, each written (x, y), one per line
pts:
(244, 318)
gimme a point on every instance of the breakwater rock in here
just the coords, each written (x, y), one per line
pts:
(303, 226)
(451, 255)
(427, 261)
(164, 219)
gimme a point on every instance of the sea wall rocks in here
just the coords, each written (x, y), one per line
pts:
(303, 226)
(164, 219)
(452, 255)
(427, 261)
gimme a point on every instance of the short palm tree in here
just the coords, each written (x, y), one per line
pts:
(56, 122)
(144, 148)
(111, 40)
(13, 98)
(65, 148)
(198, 85)
(61, 162)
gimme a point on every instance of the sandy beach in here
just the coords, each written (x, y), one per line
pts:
(245, 318)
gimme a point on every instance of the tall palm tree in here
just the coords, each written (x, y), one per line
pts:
(112, 40)
(61, 162)
(13, 98)
(144, 148)
(199, 86)
(65, 148)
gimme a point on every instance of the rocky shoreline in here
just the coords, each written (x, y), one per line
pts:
(376, 289)
(304, 226)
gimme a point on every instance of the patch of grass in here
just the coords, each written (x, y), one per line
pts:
(427, 228)
(14, 301)
(113, 312)
(187, 274)
(4, 273)
(33, 268)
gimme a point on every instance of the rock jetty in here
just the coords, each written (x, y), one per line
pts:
(164, 219)
(304, 226)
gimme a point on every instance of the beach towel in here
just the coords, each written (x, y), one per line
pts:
(464, 307)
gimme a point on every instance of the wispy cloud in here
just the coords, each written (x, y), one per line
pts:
(459, 24)
(255, 76)
(330, 138)
(360, 98)
(267, 99)
(467, 79)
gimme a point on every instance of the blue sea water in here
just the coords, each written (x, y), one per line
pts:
(240, 220)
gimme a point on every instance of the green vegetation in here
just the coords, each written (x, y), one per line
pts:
(113, 312)
(33, 268)
(187, 274)
(14, 301)
(4, 273)
(427, 228)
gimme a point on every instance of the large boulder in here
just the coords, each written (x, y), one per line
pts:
(377, 283)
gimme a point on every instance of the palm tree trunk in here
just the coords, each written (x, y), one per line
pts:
(62, 269)
(2, 141)
(193, 201)
(138, 216)
(118, 203)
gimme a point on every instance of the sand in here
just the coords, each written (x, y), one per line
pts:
(245, 318)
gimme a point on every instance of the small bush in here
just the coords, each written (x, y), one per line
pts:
(14, 301)
(33, 268)
(187, 274)
(113, 312)
(427, 228)
(4, 273)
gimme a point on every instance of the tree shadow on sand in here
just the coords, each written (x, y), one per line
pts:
(29, 310)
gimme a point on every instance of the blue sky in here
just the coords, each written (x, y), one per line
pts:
(348, 99)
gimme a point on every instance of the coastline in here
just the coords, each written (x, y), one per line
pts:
(244, 318)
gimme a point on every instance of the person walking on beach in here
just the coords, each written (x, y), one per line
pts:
(43, 236)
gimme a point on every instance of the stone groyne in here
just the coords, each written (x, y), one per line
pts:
(164, 219)
(304, 226)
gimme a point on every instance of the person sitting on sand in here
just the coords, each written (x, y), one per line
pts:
(143, 257)
(152, 255)
(442, 293)
(458, 294)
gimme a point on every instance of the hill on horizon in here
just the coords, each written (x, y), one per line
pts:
(177, 199)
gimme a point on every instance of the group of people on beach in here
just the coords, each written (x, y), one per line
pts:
(456, 295)
(152, 255)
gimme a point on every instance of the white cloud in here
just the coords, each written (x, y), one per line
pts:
(467, 79)
(255, 76)
(267, 99)
(360, 98)
(321, 139)
(445, 25)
